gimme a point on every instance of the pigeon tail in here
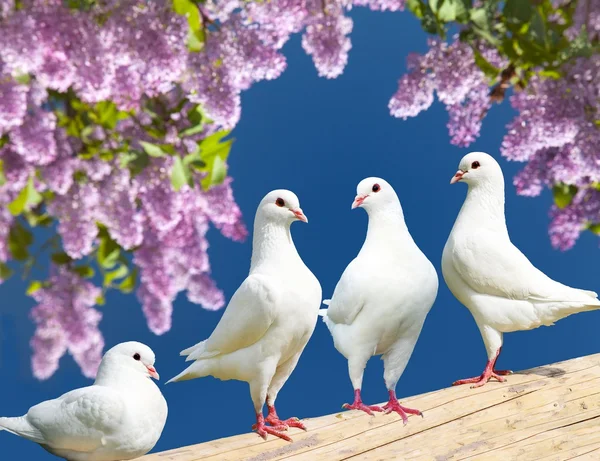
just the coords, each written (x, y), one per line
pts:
(21, 427)
(197, 369)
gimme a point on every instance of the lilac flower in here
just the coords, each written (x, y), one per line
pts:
(117, 209)
(382, 5)
(202, 290)
(326, 40)
(77, 213)
(34, 138)
(13, 102)
(66, 321)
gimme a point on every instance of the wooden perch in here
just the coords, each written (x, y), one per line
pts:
(550, 413)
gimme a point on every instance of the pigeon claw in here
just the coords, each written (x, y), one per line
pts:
(479, 381)
(284, 424)
(394, 405)
(359, 405)
(368, 409)
(262, 429)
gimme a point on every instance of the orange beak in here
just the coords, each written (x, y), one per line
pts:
(457, 177)
(153, 373)
(299, 215)
(358, 200)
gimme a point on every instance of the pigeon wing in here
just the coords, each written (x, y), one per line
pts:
(79, 420)
(491, 265)
(248, 316)
(347, 300)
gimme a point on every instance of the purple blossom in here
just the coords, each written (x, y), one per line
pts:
(326, 40)
(77, 213)
(118, 211)
(34, 139)
(202, 290)
(66, 321)
(13, 102)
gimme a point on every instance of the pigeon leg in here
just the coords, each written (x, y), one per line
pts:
(488, 373)
(279, 424)
(262, 429)
(359, 405)
(394, 405)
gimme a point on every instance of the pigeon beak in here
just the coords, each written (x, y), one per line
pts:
(457, 177)
(358, 201)
(153, 373)
(299, 215)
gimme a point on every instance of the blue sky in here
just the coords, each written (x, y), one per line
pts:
(319, 138)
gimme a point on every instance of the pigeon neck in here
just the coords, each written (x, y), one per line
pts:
(387, 224)
(485, 201)
(272, 242)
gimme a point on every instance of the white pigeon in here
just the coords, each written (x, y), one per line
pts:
(269, 319)
(490, 276)
(380, 303)
(121, 416)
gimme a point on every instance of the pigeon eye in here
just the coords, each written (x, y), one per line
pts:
(475, 165)
(136, 356)
(280, 202)
(376, 188)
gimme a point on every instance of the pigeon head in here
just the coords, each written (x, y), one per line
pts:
(374, 193)
(133, 356)
(478, 168)
(281, 206)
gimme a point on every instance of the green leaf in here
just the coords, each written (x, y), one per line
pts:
(118, 273)
(108, 251)
(449, 10)
(128, 283)
(180, 174)
(101, 300)
(5, 271)
(34, 286)
(517, 11)
(488, 69)
(27, 199)
(595, 228)
(60, 258)
(417, 7)
(19, 240)
(152, 150)
(217, 174)
(2, 177)
(550, 73)
(34, 219)
(563, 194)
(84, 271)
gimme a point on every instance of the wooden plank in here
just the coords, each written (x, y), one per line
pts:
(544, 413)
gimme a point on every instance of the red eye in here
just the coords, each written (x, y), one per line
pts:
(376, 188)
(475, 165)
(280, 202)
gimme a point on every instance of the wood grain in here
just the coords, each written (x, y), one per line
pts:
(550, 413)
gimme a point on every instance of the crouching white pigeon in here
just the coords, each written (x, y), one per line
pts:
(121, 416)
(490, 276)
(269, 319)
(380, 303)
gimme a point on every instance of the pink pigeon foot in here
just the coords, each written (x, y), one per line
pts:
(488, 373)
(282, 425)
(262, 429)
(394, 405)
(359, 405)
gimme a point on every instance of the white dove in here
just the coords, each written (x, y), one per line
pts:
(121, 416)
(269, 319)
(380, 303)
(490, 276)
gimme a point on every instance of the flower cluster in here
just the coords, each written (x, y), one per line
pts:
(112, 116)
(448, 70)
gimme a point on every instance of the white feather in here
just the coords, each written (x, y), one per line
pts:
(503, 290)
(271, 316)
(121, 416)
(381, 301)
